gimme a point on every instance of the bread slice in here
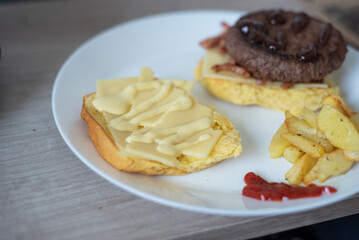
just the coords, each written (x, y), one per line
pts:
(271, 96)
(228, 145)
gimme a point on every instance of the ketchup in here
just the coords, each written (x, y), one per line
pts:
(260, 189)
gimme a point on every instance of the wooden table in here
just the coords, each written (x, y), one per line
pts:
(45, 191)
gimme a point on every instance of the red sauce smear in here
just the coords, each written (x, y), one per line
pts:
(260, 189)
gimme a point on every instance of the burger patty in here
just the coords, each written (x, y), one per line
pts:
(285, 46)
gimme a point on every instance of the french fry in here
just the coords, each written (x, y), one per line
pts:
(330, 164)
(278, 144)
(328, 147)
(292, 153)
(338, 104)
(300, 169)
(355, 120)
(338, 128)
(299, 126)
(310, 117)
(351, 156)
(319, 145)
(308, 146)
(288, 114)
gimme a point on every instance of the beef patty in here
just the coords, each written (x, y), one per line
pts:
(285, 46)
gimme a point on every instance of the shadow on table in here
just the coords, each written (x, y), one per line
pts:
(343, 228)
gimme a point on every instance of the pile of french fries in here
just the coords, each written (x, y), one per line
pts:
(319, 145)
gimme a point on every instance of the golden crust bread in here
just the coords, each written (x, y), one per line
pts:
(275, 97)
(228, 145)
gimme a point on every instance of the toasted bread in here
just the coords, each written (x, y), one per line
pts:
(271, 96)
(228, 145)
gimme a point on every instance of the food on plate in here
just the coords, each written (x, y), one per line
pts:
(155, 126)
(301, 127)
(339, 129)
(300, 169)
(306, 145)
(330, 164)
(276, 59)
(319, 145)
(292, 153)
(338, 104)
(278, 144)
(310, 117)
(355, 119)
(352, 156)
(260, 189)
(278, 50)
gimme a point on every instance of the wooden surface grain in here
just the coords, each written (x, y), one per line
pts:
(45, 191)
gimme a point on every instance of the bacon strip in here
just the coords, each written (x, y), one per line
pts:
(217, 41)
(225, 25)
(262, 82)
(211, 42)
(232, 68)
(287, 85)
(231, 61)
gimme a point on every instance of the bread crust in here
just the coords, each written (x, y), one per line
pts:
(111, 153)
(274, 97)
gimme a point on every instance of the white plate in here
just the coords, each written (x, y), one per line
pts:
(168, 43)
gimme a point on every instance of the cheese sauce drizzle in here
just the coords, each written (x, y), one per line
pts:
(156, 119)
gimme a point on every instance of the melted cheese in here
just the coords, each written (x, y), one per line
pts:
(112, 86)
(213, 57)
(156, 119)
